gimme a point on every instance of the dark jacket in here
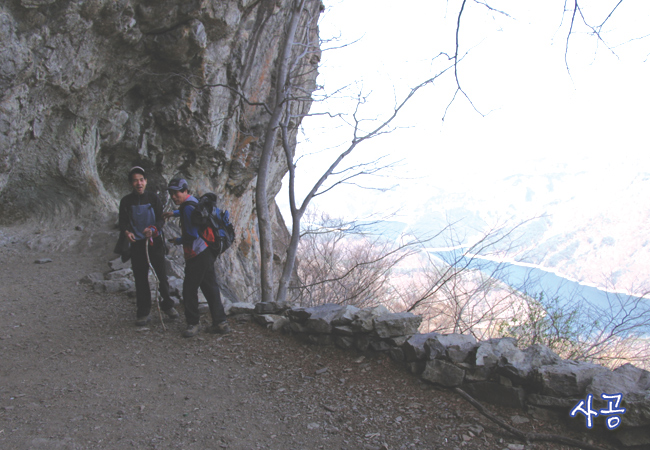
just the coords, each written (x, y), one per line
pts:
(131, 205)
(147, 203)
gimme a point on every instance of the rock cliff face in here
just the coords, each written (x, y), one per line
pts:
(91, 88)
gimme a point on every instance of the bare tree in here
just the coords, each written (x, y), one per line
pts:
(282, 92)
(288, 109)
(293, 75)
(343, 263)
(581, 329)
(291, 104)
(461, 283)
(468, 290)
(358, 137)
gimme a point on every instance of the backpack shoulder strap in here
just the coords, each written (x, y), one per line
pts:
(187, 203)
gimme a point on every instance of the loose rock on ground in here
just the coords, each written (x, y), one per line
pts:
(76, 374)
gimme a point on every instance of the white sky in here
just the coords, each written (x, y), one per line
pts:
(538, 118)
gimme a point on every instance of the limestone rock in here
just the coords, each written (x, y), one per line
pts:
(343, 330)
(379, 346)
(345, 316)
(443, 373)
(496, 393)
(91, 278)
(269, 308)
(91, 88)
(344, 342)
(631, 382)
(519, 365)
(363, 321)
(414, 348)
(490, 352)
(565, 379)
(299, 315)
(456, 347)
(639, 376)
(396, 354)
(434, 348)
(117, 264)
(280, 323)
(111, 286)
(362, 342)
(242, 308)
(175, 286)
(174, 269)
(553, 402)
(637, 438)
(397, 324)
(396, 341)
(321, 317)
(267, 319)
(123, 273)
(227, 304)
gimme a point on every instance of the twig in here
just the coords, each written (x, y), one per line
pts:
(526, 437)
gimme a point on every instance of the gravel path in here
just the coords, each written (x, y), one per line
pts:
(77, 374)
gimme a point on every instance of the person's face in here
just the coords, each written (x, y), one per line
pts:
(138, 182)
(178, 197)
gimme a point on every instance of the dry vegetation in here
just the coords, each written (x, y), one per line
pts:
(340, 263)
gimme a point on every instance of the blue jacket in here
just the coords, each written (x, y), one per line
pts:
(193, 244)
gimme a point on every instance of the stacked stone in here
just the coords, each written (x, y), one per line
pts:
(495, 371)
(118, 279)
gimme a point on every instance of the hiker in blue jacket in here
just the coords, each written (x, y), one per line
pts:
(199, 265)
(141, 220)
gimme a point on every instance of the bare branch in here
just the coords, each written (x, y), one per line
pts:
(238, 93)
(522, 435)
(359, 139)
(609, 15)
(491, 8)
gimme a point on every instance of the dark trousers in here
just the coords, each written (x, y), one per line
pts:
(199, 272)
(140, 268)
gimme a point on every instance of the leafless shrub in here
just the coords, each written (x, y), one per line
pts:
(341, 263)
(460, 291)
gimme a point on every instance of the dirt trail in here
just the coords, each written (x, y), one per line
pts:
(76, 373)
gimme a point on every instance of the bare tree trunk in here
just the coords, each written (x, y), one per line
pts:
(289, 264)
(297, 213)
(261, 192)
(262, 208)
(296, 216)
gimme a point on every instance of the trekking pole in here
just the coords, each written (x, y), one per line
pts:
(146, 250)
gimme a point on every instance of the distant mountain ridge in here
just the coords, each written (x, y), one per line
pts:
(588, 228)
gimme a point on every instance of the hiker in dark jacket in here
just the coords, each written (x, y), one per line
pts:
(199, 265)
(141, 220)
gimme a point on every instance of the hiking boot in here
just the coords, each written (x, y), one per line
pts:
(191, 331)
(220, 328)
(141, 321)
(172, 313)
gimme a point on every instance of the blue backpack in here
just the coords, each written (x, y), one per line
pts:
(213, 224)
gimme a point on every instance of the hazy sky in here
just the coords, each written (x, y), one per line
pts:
(534, 116)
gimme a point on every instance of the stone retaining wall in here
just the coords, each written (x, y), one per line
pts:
(495, 371)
